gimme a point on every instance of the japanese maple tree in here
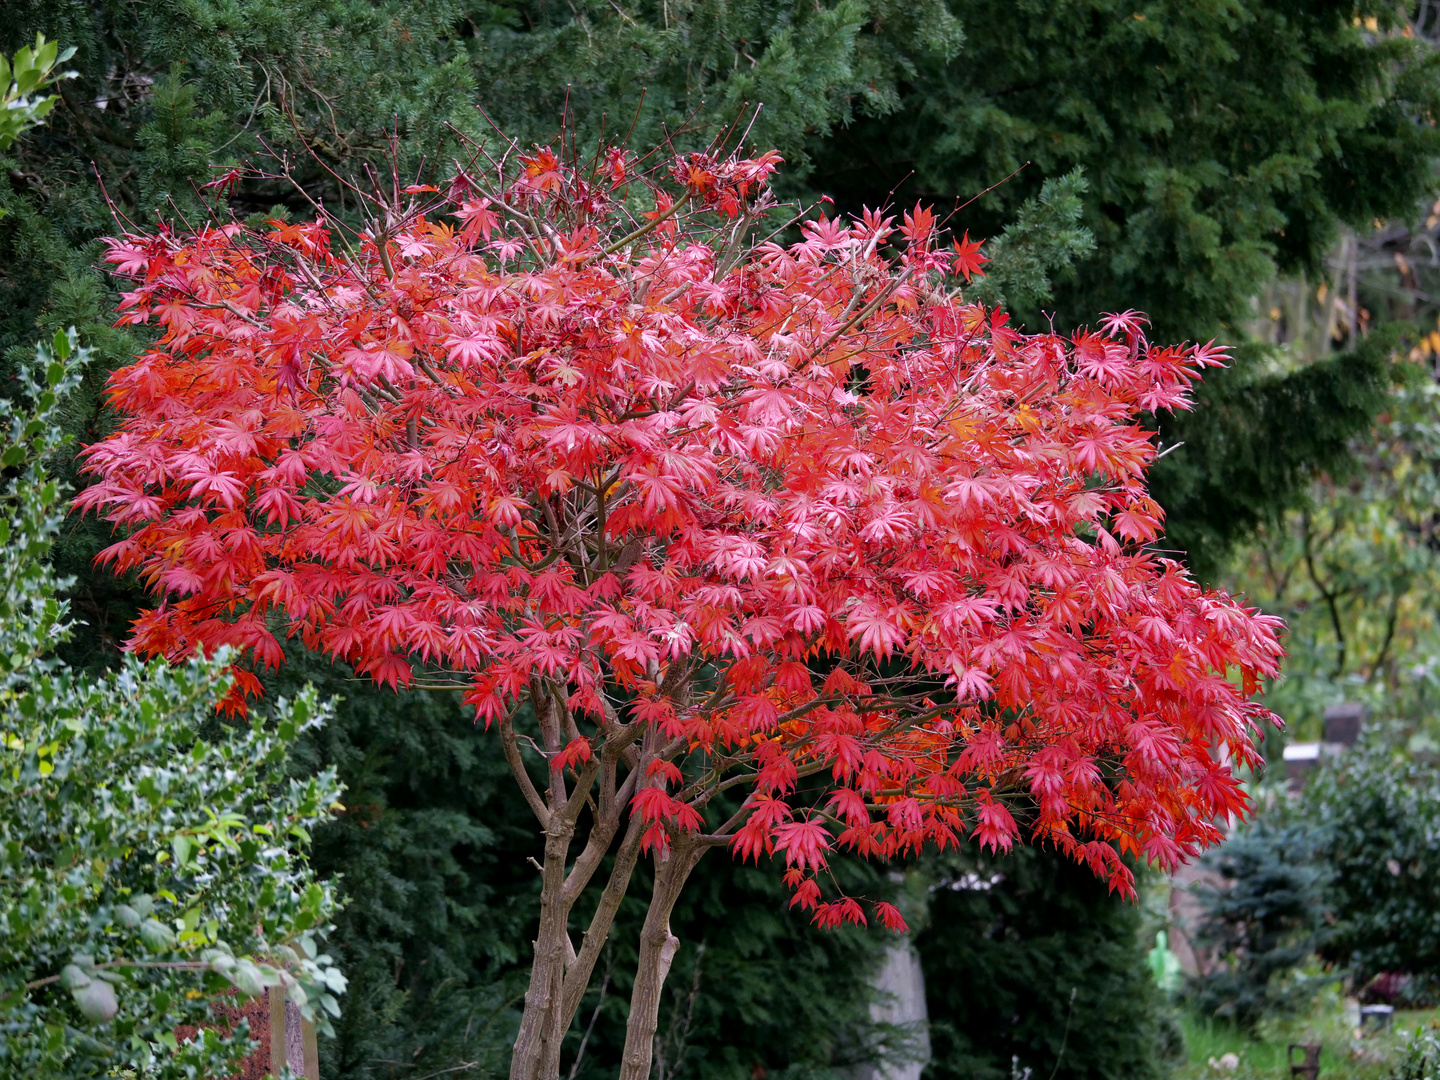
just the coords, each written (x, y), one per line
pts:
(688, 511)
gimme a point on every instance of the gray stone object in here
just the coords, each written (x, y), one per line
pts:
(1344, 722)
(900, 1001)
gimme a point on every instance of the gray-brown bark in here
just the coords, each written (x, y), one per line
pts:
(537, 1046)
(658, 946)
(558, 974)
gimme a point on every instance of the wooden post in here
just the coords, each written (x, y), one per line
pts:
(310, 1049)
(292, 1038)
(277, 1030)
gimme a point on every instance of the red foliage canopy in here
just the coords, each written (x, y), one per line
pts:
(793, 518)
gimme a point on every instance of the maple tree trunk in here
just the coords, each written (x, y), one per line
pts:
(579, 971)
(658, 946)
(537, 1046)
(559, 975)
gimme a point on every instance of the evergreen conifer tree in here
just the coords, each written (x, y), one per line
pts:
(1066, 992)
(1221, 144)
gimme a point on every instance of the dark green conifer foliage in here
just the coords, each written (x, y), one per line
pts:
(1250, 448)
(1221, 143)
(431, 853)
(1007, 941)
(700, 63)
(167, 91)
(1262, 921)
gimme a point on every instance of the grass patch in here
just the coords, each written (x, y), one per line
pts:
(1262, 1055)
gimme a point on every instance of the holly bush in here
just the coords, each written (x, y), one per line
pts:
(152, 857)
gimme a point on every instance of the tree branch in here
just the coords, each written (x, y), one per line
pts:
(522, 777)
(577, 975)
(1331, 601)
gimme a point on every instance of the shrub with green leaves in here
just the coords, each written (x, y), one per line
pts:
(1346, 873)
(151, 857)
(33, 69)
(1378, 815)
(1420, 1059)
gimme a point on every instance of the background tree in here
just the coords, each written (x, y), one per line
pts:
(1066, 991)
(1221, 144)
(150, 860)
(1375, 814)
(1354, 572)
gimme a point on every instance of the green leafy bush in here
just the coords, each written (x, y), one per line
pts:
(1377, 813)
(33, 68)
(1421, 1057)
(1346, 873)
(151, 858)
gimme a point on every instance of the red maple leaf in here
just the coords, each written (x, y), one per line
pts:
(968, 259)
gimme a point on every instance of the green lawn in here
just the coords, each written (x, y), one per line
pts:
(1262, 1057)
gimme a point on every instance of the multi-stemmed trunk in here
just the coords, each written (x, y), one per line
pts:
(561, 973)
